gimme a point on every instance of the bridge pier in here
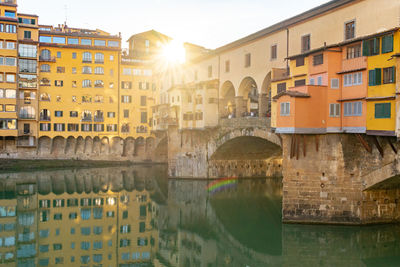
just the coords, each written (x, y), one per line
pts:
(328, 183)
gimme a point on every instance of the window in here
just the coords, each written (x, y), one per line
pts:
(11, 45)
(73, 55)
(86, 42)
(281, 87)
(352, 109)
(73, 127)
(25, 50)
(274, 52)
(227, 66)
(98, 212)
(349, 28)
(387, 44)
(209, 71)
(285, 109)
(299, 61)
(87, 70)
(85, 245)
(371, 47)
(45, 68)
(85, 214)
(126, 99)
(9, 14)
(127, 85)
(13, 29)
(73, 41)
(143, 100)
(87, 57)
(99, 70)
(111, 114)
(335, 83)
(27, 35)
(98, 84)
(126, 113)
(43, 39)
(352, 79)
(305, 43)
(99, 42)
(86, 127)
(383, 111)
(300, 83)
(124, 243)
(58, 83)
(354, 51)
(58, 113)
(10, 78)
(99, 57)
(312, 81)
(143, 117)
(10, 61)
(389, 75)
(247, 60)
(318, 59)
(127, 71)
(375, 77)
(111, 127)
(59, 127)
(334, 110)
(124, 229)
(113, 43)
(86, 83)
(319, 80)
(58, 54)
(60, 69)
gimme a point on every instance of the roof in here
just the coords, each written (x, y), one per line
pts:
(291, 94)
(286, 23)
(153, 32)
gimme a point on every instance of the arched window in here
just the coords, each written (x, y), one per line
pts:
(45, 68)
(86, 115)
(98, 84)
(99, 70)
(45, 97)
(87, 57)
(86, 83)
(45, 54)
(86, 70)
(99, 58)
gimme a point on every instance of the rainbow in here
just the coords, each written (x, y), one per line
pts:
(222, 184)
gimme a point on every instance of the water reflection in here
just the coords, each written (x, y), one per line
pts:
(134, 216)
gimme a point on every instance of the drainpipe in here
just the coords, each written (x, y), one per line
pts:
(287, 50)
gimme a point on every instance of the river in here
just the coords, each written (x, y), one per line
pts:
(136, 217)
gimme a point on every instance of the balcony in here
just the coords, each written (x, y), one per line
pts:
(47, 59)
(27, 116)
(45, 118)
(86, 61)
(99, 61)
(25, 133)
(87, 119)
(98, 119)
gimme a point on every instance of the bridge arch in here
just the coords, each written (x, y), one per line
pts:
(227, 100)
(247, 103)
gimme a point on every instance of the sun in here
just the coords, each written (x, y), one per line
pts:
(174, 52)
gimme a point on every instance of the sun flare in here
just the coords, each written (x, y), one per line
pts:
(174, 52)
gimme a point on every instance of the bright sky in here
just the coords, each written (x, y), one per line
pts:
(209, 23)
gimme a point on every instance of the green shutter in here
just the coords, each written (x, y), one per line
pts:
(383, 111)
(365, 48)
(387, 44)
(394, 74)
(386, 110)
(376, 46)
(378, 76)
(371, 78)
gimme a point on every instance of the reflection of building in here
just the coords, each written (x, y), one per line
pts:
(57, 227)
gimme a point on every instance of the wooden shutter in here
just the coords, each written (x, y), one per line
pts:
(387, 44)
(371, 78)
(365, 48)
(378, 76)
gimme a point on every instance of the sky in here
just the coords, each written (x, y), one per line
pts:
(209, 23)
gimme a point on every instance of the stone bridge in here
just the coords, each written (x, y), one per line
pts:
(331, 178)
(243, 147)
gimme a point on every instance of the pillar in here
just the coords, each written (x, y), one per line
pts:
(262, 105)
(240, 108)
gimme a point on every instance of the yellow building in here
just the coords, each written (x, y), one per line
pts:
(8, 70)
(381, 101)
(78, 82)
(138, 83)
(28, 104)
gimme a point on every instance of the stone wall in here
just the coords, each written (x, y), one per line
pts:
(113, 149)
(326, 183)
